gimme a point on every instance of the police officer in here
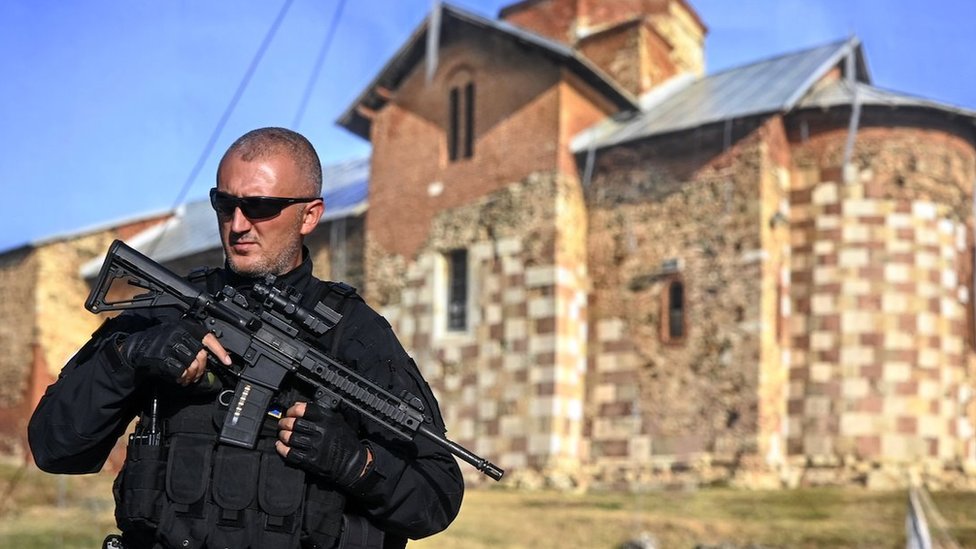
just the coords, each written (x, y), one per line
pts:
(319, 477)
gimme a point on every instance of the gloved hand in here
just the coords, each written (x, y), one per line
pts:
(320, 441)
(164, 350)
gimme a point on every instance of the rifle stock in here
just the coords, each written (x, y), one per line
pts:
(266, 342)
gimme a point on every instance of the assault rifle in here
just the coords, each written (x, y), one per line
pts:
(265, 340)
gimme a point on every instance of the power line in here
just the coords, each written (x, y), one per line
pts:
(323, 51)
(208, 148)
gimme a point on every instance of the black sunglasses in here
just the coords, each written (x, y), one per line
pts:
(253, 207)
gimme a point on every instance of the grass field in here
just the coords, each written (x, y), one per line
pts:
(43, 511)
(832, 518)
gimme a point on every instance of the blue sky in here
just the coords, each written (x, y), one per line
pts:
(106, 106)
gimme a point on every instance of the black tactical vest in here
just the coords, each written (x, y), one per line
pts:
(179, 488)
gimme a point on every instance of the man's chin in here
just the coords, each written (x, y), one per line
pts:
(246, 268)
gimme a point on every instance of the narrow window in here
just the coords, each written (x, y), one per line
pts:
(674, 308)
(453, 124)
(457, 290)
(460, 124)
(469, 120)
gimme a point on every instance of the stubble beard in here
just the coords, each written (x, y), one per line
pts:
(276, 264)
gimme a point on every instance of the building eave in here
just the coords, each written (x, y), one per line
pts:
(356, 117)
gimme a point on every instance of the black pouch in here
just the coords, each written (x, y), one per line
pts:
(184, 521)
(281, 490)
(234, 490)
(360, 533)
(139, 488)
(323, 515)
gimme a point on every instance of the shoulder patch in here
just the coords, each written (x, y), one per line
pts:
(341, 288)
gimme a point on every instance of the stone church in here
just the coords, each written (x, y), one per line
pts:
(615, 268)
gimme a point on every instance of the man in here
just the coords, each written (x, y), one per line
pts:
(318, 478)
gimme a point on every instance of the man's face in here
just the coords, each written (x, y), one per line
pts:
(273, 245)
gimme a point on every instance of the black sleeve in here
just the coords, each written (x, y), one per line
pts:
(82, 414)
(414, 488)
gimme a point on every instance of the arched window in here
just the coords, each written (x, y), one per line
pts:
(460, 121)
(674, 327)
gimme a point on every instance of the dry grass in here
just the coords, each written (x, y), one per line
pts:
(807, 518)
(44, 511)
(40, 511)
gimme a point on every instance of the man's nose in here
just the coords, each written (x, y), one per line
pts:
(239, 223)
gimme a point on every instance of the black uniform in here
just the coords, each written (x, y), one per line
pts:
(190, 492)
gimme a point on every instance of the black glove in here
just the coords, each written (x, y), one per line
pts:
(322, 443)
(164, 350)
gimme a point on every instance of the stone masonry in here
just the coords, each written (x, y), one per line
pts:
(657, 407)
(511, 385)
(882, 363)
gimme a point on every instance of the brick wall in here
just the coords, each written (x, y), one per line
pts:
(411, 179)
(656, 409)
(685, 32)
(518, 93)
(580, 109)
(881, 371)
(772, 384)
(617, 51)
(18, 298)
(640, 43)
(511, 385)
(18, 338)
(551, 18)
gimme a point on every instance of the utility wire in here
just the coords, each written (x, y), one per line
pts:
(323, 51)
(208, 148)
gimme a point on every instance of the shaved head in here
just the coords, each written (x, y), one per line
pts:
(263, 143)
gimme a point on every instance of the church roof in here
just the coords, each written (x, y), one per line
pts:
(777, 85)
(843, 93)
(413, 52)
(771, 85)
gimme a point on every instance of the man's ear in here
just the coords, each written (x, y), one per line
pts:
(311, 216)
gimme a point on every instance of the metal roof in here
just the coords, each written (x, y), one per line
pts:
(772, 85)
(193, 228)
(841, 93)
(101, 226)
(414, 50)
